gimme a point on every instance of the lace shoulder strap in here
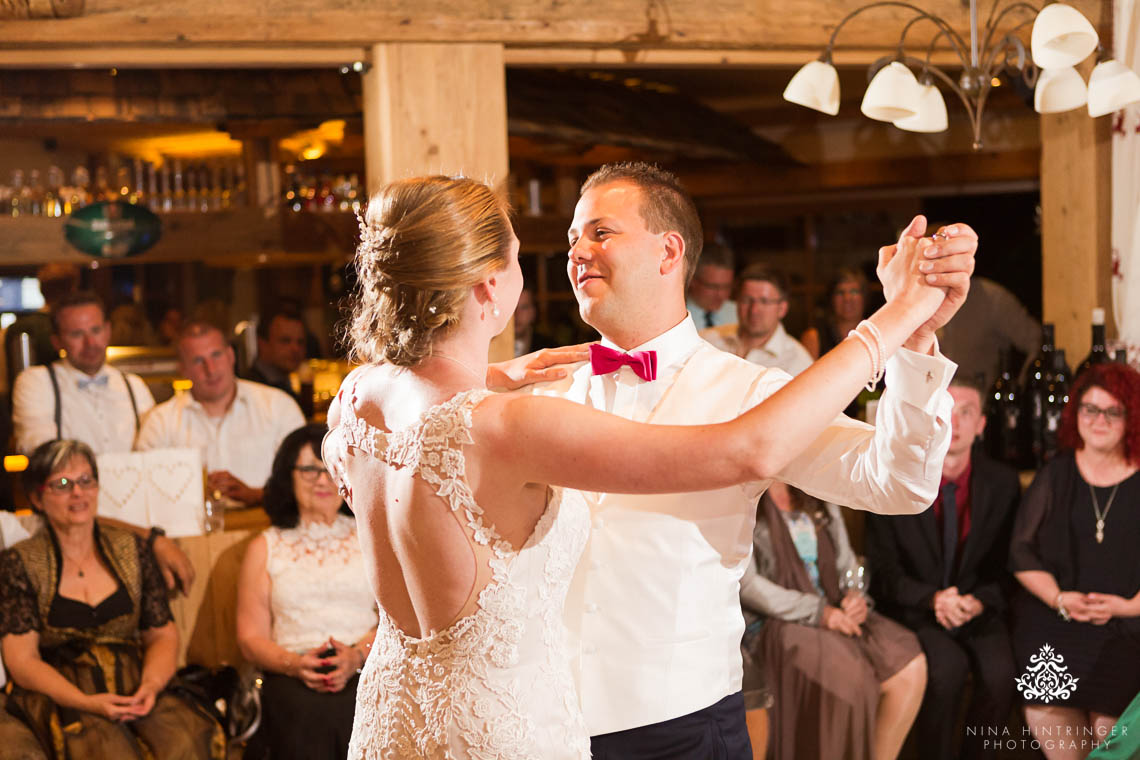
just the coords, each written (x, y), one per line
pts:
(434, 447)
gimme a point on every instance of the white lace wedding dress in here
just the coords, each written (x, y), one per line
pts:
(496, 684)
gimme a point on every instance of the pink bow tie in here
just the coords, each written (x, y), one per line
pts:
(605, 360)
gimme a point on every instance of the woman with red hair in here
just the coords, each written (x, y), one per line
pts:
(1077, 623)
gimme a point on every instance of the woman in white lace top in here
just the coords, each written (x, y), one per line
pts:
(306, 615)
(468, 547)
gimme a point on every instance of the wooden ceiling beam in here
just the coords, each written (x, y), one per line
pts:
(625, 26)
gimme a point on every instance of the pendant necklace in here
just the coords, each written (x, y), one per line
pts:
(1099, 515)
(79, 564)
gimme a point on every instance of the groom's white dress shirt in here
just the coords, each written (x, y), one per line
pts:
(654, 606)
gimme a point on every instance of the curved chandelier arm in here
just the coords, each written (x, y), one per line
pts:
(948, 81)
(1003, 47)
(992, 24)
(951, 34)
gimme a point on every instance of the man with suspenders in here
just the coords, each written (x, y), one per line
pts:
(79, 396)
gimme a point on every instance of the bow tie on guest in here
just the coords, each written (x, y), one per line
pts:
(604, 360)
(99, 381)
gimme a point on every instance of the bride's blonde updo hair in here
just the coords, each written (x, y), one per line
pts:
(424, 243)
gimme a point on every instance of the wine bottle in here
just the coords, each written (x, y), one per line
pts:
(1056, 397)
(1003, 414)
(1098, 354)
(1033, 401)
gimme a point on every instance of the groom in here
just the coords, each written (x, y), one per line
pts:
(654, 610)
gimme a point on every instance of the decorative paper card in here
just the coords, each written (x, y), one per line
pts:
(15, 528)
(161, 487)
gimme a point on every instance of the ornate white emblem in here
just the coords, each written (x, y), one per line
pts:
(1047, 678)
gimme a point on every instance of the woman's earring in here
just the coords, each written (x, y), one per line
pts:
(494, 309)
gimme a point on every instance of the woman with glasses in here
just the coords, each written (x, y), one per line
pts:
(1077, 622)
(306, 615)
(88, 638)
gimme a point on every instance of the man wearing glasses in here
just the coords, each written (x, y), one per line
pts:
(759, 335)
(708, 295)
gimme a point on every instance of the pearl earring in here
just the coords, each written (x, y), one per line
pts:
(494, 309)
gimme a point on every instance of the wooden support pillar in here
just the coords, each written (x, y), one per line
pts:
(438, 108)
(1076, 248)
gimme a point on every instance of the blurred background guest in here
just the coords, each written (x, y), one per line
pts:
(759, 335)
(529, 336)
(280, 352)
(944, 574)
(1075, 552)
(130, 327)
(88, 637)
(846, 307)
(306, 615)
(707, 297)
(846, 681)
(79, 396)
(169, 325)
(235, 423)
(991, 320)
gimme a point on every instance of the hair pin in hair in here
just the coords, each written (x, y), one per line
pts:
(372, 239)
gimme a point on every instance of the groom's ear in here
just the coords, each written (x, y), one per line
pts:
(674, 253)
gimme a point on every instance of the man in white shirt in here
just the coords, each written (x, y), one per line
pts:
(708, 292)
(653, 609)
(759, 335)
(237, 424)
(79, 397)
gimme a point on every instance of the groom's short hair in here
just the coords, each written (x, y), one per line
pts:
(665, 204)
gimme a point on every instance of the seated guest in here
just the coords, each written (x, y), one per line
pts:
(79, 397)
(944, 574)
(1075, 552)
(846, 681)
(237, 424)
(846, 307)
(87, 633)
(306, 615)
(759, 335)
(707, 297)
(280, 352)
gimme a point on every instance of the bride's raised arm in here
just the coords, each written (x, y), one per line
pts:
(561, 443)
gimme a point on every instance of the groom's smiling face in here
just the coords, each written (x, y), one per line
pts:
(614, 262)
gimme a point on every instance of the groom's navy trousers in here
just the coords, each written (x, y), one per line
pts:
(717, 732)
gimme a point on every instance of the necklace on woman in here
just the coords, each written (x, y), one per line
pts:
(456, 361)
(79, 563)
(1096, 510)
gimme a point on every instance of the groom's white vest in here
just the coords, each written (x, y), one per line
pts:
(654, 608)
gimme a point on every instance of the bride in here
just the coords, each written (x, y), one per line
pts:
(470, 540)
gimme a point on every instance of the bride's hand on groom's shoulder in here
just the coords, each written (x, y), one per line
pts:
(536, 367)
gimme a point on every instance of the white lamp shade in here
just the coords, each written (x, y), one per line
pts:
(1059, 90)
(931, 116)
(815, 85)
(1062, 37)
(1111, 87)
(893, 94)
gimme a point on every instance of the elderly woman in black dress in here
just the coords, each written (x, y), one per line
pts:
(1075, 551)
(87, 634)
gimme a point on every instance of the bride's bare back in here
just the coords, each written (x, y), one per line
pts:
(424, 566)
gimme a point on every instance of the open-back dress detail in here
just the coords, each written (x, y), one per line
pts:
(496, 683)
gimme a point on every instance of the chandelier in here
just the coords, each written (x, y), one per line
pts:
(1061, 38)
